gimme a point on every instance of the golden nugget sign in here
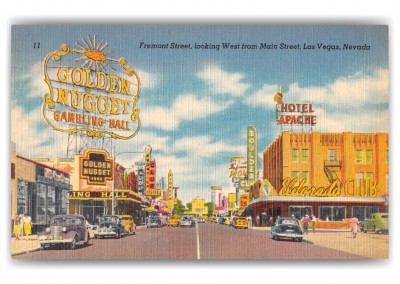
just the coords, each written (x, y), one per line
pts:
(96, 167)
(352, 188)
(98, 97)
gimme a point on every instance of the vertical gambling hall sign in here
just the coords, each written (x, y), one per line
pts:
(90, 92)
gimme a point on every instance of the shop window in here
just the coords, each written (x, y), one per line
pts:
(368, 156)
(22, 197)
(332, 213)
(305, 155)
(300, 211)
(295, 155)
(363, 212)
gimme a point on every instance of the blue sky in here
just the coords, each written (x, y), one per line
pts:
(196, 104)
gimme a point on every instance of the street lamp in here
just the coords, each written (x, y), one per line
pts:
(113, 183)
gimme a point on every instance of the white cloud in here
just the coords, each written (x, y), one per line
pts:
(186, 107)
(223, 82)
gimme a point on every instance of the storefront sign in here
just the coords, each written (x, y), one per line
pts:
(352, 188)
(244, 200)
(96, 167)
(251, 154)
(170, 184)
(104, 195)
(97, 96)
(231, 201)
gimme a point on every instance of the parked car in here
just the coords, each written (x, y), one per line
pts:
(129, 224)
(213, 219)
(110, 226)
(174, 220)
(67, 230)
(287, 228)
(200, 219)
(240, 223)
(377, 223)
(228, 220)
(154, 221)
(187, 221)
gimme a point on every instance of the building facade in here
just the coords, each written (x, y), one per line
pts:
(333, 176)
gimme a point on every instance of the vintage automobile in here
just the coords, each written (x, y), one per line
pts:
(187, 221)
(67, 230)
(200, 219)
(377, 223)
(228, 220)
(174, 220)
(287, 228)
(213, 219)
(109, 226)
(129, 224)
(240, 223)
(154, 221)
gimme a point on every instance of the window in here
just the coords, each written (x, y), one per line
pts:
(305, 175)
(12, 170)
(295, 155)
(332, 213)
(364, 212)
(300, 211)
(359, 177)
(331, 155)
(294, 175)
(304, 155)
(368, 156)
(359, 156)
(369, 176)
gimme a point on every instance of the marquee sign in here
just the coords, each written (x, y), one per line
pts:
(96, 167)
(97, 97)
(104, 195)
(293, 113)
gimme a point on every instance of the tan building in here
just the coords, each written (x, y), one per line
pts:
(330, 175)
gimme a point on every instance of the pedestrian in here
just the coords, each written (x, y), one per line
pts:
(17, 226)
(313, 221)
(249, 221)
(27, 224)
(258, 220)
(305, 221)
(271, 221)
(21, 221)
(354, 226)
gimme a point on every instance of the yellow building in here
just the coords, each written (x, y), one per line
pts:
(331, 175)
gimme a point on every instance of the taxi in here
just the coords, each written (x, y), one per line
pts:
(129, 224)
(240, 223)
(227, 220)
(213, 219)
(173, 220)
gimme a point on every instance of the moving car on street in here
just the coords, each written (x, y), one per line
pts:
(287, 228)
(67, 230)
(200, 219)
(187, 221)
(154, 221)
(174, 220)
(377, 223)
(129, 224)
(240, 223)
(109, 226)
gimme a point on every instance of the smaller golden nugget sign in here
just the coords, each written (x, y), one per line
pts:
(96, 167)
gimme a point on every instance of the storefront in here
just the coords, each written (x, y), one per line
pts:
(41, 191)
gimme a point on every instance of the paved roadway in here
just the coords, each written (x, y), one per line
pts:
(206, 241)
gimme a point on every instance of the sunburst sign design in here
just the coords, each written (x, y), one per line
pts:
(91, 98)
(93, 54)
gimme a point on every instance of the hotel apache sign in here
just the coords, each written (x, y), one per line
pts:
(97, 97)
(96, 167)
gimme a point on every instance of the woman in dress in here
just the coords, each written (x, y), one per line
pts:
(354, 226)
(17, 226)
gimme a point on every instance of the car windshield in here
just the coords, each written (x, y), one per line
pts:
(67, 220)
(288, 222)
(153, 219)
(109, 219)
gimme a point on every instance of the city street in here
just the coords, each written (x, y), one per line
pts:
(206, 241)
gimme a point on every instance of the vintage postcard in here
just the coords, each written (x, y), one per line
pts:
(171, 142)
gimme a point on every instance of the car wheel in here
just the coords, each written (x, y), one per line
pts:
(88, 239)
(73, 243)
(117, 235)
(299, 239)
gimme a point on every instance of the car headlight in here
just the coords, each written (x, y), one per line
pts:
(64, 229)
(48, 230)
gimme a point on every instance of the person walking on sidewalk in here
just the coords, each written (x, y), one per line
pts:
(354, 226)
(17, 226)
(27, 224)
(313, 222)
(305, 221)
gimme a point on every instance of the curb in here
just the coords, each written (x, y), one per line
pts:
(25, 251)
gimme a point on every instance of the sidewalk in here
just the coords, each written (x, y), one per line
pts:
(374, 246)
(24, 245)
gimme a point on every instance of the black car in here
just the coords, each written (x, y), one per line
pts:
(154, 221)
(287, 228)
(109, 226)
